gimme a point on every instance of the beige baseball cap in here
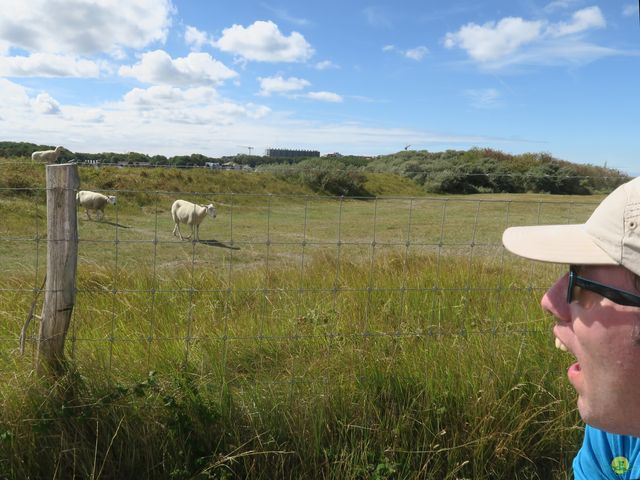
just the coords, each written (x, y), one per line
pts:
(611, 236)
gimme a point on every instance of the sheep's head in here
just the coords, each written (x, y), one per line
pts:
(59, 149)
(211, 210)
(111, 199)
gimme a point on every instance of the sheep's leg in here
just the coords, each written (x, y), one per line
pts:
(101, 213)
(177, 227)
(88, 216)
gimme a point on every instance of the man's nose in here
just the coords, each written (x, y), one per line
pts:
(554, 300)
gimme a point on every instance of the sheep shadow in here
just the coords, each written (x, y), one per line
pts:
(216, 243)
(110, 223)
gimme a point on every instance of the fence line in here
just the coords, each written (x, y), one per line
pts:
(293, 268)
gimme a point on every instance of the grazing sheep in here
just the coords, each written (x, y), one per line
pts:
(49, 156)
(191, 214)
(94, 201)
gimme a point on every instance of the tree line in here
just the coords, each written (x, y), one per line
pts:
(477, 170)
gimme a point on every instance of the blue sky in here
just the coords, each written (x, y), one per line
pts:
(221, 77)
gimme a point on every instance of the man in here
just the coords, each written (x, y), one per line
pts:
(597, 310)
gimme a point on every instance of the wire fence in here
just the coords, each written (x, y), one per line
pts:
(276, 269)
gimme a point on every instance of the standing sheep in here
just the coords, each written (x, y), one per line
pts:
(191, 214)
(94, 201)
(49, 156)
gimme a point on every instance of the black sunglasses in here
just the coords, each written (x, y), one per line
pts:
(621, 297)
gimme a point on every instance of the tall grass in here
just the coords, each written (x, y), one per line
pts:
(300, 388)
(304, 338)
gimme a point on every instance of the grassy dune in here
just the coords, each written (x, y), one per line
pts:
(304, 337)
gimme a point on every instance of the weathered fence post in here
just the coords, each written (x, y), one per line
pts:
(62, 258)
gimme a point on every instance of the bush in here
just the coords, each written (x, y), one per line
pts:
(328, 176)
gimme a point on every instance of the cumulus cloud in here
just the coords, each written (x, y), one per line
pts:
(85, 115)
(325, 97)
(12, 94)
(46, 104)
(198, 106)
(83, 27)
(158, 67)
(195, 38)
(515, 40)
(162, 95)
(47, 65)
(278, 84)
(417, 53)
(494, 40)
(263, 42)
(325, 65)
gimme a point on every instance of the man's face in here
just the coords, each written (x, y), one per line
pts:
(603, 337)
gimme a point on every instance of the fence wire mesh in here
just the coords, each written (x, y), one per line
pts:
(271, 270)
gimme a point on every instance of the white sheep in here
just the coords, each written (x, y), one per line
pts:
(191, 214)
(49, 156)
(94, 201)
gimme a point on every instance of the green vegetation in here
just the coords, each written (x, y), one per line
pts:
(307, 336)
(452, 171)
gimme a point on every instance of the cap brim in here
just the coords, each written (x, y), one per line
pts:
(556, 244)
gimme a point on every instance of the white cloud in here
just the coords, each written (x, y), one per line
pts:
(325, 97)
(325, 65)
(158, 67)
(560, 5)
(12, 94)
(263, 42)
(494, 40)
(630, 10)
(84, 115)
(48, 65)
(164, 95)
(417, 53)
(581, 20)
(514, 40)
(200, 105)
(46, 104)
(278, 84)
(83, 27)
(212, 127)
(196, 38)
(483, 98)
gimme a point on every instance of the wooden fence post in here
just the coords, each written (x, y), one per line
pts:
(62, 259)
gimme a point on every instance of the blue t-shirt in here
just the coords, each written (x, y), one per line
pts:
(606, 456)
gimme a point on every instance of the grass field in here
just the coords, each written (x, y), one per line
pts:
(303, 337)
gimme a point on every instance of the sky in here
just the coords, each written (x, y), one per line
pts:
(226, 77)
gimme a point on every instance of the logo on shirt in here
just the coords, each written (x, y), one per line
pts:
(620, 465)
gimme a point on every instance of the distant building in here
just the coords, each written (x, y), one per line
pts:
(286, 153)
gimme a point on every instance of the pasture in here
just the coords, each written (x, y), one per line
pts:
(303, 336)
